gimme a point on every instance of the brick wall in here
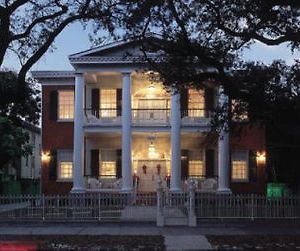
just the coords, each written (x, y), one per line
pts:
(55, 135)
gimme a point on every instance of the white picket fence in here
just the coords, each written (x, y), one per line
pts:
(146, 207)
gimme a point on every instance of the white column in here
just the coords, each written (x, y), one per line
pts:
(126, 133)
(78, 158)
(175, 143)
(223, 148)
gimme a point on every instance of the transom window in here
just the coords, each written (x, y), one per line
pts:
(239, 163)
(65, 164)
(108, 163)
(196, 103)
(108, 103)
(66, 105)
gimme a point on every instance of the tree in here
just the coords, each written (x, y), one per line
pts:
(200, 41)
(29, 28)
(15, 109)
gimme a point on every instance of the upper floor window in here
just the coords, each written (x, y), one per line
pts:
(196, 103)
(239, 165)
(108, 103)
(239, 110)
(66, 105)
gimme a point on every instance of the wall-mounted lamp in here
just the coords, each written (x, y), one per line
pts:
(45, 157)
(261, 158)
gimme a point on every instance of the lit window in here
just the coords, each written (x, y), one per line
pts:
(239, 110)
(108, 168)
(108, 103)
(108, 163)
(65, 164)
(196, 103)
(196, 168)
(239, 163)
(66, 104)
(66, 170)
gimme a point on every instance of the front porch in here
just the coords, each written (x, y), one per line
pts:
(151, 162)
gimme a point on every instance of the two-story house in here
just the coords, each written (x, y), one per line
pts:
(105, 126)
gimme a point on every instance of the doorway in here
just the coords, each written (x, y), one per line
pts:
(149, 172)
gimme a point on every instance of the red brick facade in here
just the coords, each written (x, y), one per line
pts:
(55, 135)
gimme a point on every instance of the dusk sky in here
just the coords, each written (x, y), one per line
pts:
(74, 39)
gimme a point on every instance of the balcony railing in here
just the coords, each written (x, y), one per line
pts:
(150, 116)
(145, 116)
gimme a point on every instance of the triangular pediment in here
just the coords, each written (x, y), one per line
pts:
(114, 49)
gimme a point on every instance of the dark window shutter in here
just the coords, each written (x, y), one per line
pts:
(184, 102)
(53, 165)
(209, 100)
(119, 102)
(184, 164)
(209, 163)
(95, 102)
(53, 105)
(95, 163)
(119, 164)
(252, 166)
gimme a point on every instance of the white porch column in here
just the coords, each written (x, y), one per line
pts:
(126, 133)
(175, 143)
(223, 149)
(78, 158)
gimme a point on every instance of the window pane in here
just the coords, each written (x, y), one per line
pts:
(108, 163)
(196, 168)
(108, 103)
(108, 168)
(66, 170)
(66, 104)
(239, 165)
(196, 103)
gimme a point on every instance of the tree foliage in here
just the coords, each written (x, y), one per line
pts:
(15, 109)
(29, 28)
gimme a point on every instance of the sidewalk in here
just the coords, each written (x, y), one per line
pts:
(176, 238)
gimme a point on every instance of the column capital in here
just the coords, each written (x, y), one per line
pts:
(126, 73)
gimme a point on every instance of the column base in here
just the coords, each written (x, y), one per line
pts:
(175, 190)
(77, 190)
(224, 190)
(126, 189)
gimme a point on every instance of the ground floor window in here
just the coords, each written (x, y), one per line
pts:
(196, 165)
(108, 164)
(196, 168)
(65, 164)
(239, 165)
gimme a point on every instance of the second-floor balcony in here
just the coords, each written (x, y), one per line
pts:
(146, 116)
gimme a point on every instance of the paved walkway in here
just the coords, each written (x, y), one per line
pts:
(176, 238)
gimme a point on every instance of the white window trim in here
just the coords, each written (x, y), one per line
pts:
(58, 105)
(247, 163)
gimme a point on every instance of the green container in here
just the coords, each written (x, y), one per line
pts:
(275, 190)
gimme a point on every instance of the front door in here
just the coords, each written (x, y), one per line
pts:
(152, 111)
(149, 172)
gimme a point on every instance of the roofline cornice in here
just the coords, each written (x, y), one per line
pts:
(53, 74)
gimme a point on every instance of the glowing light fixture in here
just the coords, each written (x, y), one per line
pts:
(261, 158)
(152, 154)
(45, 157)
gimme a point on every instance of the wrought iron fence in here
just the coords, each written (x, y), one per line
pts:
(251, 206)
(75, 207)
(117, 206)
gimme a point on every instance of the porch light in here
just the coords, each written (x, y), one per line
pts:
(152, 154)
(45, 157)
(261, 158)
